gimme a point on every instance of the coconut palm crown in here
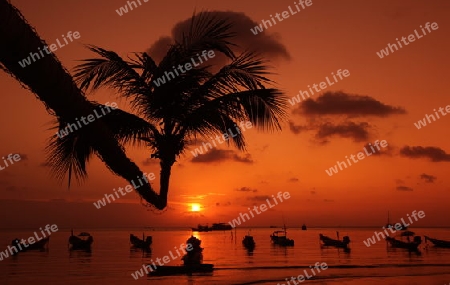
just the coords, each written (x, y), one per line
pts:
(197, 104)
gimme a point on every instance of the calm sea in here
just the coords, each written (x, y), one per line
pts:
(112, 262)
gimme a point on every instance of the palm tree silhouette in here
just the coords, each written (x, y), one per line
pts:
(54, 86)
(196, 104)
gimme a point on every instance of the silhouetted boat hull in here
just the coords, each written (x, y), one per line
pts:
(78, 243)
(412, 246)
(182, 270)
(38, 245)
(279, 238)
(438, 242)
(141, 244)
(249, 242)
(327, 241)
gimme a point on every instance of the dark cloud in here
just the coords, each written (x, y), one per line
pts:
(428, 178)
(259, 198)
(351, 105)
(399, 181)
(313, 192)
(246, 189)
(218, 155)
(294, 179)
(296, 129)
(382, 151)
(433, 153)
(356, 131)
(247, 158)
(223, 204)
(404, 188)
(268, 45)
(333, 114)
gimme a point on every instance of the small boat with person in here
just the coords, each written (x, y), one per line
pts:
(438, 242)
(280, 238)
(143, 244)
(81, 242)
(192, 262)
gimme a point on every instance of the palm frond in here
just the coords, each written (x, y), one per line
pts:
(208, 32)
(69, 155)
(127, 127)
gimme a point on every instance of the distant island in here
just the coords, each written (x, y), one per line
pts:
(214, 227)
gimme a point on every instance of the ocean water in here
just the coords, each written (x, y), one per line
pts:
(112, 262)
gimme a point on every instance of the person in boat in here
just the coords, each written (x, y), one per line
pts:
(194, 256)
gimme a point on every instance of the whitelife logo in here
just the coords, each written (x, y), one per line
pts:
(225, 136)
(124, 9)
(262, 207)
(411, 38)
(19, 243)
(284, 14)
(397, 227)
(360, 156)
(423, 123)
(188, 66)
(323, 85)
(35, 55)
(68, 129)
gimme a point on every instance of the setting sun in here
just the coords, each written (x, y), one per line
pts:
(195, 208)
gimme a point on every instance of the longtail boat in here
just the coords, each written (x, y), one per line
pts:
(143, 244)
(38, 245)
(193, 262)
(81, 242)
(438, 242)
(409, 245)
(327, 241)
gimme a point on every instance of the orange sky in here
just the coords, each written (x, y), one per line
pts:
(327, 36)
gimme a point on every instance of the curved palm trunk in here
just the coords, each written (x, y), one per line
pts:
(164, 179)
(54, 86)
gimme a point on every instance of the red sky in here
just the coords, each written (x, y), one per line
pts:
(325, 37)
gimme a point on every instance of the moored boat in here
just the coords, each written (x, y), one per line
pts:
(141, 243)
(303, 227)
(249, 242)
(81, 242)
(438, 242)
(409, 245)
(38, 245)
(280, 238)
(327, 241)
